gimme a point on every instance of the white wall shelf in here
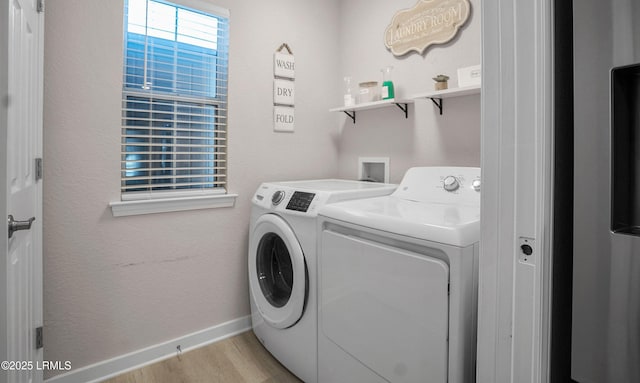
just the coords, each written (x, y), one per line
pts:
(351, 110)
(438, 96)
(435, 96)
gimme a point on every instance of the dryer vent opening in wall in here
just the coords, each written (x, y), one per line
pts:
(373, 169)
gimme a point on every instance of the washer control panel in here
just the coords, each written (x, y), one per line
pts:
(277, 197)
(451, 183)
(435, 184)
(283, 199)
(475, 184)
(300, 201)
(460, 183)
(305, 198)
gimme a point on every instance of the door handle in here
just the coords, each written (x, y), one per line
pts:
(18, 225)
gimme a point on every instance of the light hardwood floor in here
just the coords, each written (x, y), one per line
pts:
(238, 359)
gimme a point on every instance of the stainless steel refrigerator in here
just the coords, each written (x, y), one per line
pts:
(605, 297)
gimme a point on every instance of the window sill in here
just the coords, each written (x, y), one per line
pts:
(165, 205)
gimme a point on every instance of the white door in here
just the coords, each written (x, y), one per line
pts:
(21, 56)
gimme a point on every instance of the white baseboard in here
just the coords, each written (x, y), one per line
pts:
(134, 360)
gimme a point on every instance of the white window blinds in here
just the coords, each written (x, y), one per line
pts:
(174, 100)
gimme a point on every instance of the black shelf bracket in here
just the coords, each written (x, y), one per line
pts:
(405, 109)
(437, 103)
(352, 115)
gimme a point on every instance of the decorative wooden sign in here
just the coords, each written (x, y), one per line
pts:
(283, 92)
(284, 65)
(283, 118)
(428, 22)
(284, 74)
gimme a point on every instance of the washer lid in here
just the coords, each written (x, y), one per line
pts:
(277, 272)
(457, 225)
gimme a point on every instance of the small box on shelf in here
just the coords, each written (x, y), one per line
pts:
(469, 76)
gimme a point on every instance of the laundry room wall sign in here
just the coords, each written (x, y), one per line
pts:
(283, 118)
(284, 65)
(429, 22)
(284, 90)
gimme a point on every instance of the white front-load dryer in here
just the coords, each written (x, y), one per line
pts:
(282, 265)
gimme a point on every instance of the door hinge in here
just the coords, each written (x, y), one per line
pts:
(39, 340)
(40, 6)
(38, 169)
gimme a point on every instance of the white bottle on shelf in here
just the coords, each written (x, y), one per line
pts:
(349, 98)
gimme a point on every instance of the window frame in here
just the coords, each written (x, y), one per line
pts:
(175, 200)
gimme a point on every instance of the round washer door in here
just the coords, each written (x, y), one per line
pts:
(277, 272)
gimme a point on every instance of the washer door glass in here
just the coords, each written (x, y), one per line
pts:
(277, 271)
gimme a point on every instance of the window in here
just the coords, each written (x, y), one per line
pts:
(174, 101)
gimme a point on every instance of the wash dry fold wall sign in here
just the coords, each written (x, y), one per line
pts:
(284, 74)
(429, 22)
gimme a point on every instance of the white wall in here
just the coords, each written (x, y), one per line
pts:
(425, 138)
(114, 285)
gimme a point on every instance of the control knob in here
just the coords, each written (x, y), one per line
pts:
(450, 184)
(277, 197)
(476, 185)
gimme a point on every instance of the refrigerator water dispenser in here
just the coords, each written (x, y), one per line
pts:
(625, 151)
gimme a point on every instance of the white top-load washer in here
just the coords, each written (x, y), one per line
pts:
(282, 265)
(397, 282)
